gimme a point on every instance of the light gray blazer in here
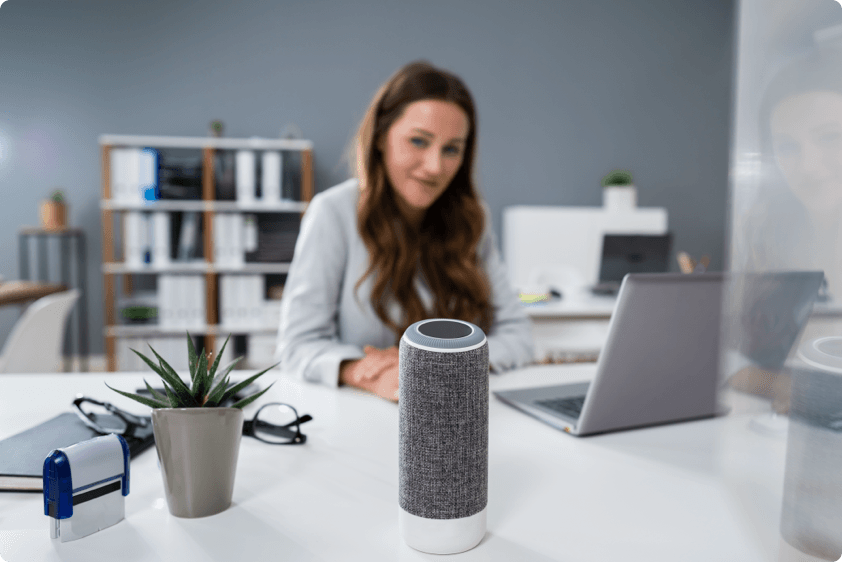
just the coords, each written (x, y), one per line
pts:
(323, 322)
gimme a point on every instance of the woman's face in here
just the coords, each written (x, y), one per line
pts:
(807, 137)
(422, 151)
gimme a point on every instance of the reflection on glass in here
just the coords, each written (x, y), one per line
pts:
(786, 215)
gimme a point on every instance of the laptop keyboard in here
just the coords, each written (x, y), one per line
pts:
(570, 407)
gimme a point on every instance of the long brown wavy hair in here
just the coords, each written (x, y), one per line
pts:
(445, 246)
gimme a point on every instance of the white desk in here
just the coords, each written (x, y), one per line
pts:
(576, 323)
(699, 491)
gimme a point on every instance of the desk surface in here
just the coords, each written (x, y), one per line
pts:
(698, 491)
(579, 303)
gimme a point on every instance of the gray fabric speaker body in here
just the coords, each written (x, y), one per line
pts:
(443, 407)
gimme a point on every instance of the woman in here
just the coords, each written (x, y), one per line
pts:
(408, 239)
(796, 219)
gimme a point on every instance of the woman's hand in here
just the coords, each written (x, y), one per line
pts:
(377, 372)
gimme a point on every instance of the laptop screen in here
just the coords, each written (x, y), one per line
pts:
(633, 253)
(775, 308)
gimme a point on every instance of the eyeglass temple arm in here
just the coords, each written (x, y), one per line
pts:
(135, 420)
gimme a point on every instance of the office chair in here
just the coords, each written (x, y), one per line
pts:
(34, 345)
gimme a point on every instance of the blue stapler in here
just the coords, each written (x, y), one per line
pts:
(85, 486)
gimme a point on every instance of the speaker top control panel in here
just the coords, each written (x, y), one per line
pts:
(445, 329)
(444, 334)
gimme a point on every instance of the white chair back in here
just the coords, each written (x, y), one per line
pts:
(35, 343)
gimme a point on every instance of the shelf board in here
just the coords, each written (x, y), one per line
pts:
(150, 330)
(205, 142)
(196, 267)
(213, 206)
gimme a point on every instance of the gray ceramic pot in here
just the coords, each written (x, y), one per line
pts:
(198, 449)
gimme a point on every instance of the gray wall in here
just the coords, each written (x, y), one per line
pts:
(566, 91)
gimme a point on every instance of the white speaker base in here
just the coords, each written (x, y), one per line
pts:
(441, 536)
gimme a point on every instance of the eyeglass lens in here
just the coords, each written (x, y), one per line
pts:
(275, 423)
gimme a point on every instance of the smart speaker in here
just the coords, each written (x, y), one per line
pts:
(443, 408)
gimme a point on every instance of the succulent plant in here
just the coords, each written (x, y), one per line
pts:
(617, 177)
(207, 389)
(57, 195)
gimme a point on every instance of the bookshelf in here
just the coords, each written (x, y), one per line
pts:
(125, 276)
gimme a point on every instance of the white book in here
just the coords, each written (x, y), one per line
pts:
(190, 311)
(184, 301)
(174, 298)
(228, 243)
(256, 310)
(164, 314)
(160, 238)
(223, 301)
(218, 256)
(270, 180)
(232, 301)
(272, 313)
(118, 188)
(200, 316)
(240, 300)
(261, 350)
(238, 254)
(122, 350)
(147, 173)
(249, 233)
(189, 294)
(132, 176)
(245, 176)
(132, 243)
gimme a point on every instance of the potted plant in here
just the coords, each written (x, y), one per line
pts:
(619, 192)
(196, 438)
(53, 211)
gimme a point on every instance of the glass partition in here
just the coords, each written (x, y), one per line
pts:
(782, 346)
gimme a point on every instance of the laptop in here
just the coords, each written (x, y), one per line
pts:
(773, 308)
(630, 253)
(660, 363)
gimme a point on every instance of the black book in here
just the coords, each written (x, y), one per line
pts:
(22, 455)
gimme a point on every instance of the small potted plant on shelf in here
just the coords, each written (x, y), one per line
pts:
(619, 192)
(53, 211)
(197, 439)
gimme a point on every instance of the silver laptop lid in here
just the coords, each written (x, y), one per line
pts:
(661, 359)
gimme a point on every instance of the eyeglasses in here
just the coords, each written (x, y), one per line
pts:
(277, 424)
(117, 421)
(274, 423)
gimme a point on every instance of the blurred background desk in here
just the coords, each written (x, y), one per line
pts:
(696, 491)
(571, 329)
(23, 292)
(72, 272)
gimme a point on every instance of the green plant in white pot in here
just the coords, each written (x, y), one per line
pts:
(197, 439)
(618, 191)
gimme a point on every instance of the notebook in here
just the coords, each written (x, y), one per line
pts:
(22, 455)
(659, 364)
(630, 253)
